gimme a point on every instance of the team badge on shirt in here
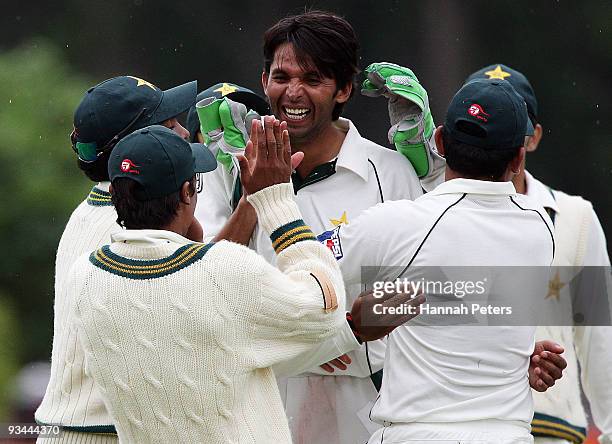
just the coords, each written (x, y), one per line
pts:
(331, 239)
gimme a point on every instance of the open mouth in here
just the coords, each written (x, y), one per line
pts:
(296, 113)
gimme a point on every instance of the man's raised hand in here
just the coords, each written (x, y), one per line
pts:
(267, 156)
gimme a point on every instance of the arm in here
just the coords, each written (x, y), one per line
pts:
(304, 301)
(593, 344)
(239, 227)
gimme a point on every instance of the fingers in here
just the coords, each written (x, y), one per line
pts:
(544, 377)
(341, 362)
(296, 158)
(338, 364)
(245, 169)
(328, 368)
(251, 151)
(286, 145)
(553, 365)
(345, 358)
(270, 136)
(547, 345)
(555, 359)
(552, 347)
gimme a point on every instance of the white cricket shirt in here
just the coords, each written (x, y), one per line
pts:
(453, 373)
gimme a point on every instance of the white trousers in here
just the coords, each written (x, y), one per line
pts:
(471, 432)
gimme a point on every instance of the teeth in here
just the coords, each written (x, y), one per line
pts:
(296, 113)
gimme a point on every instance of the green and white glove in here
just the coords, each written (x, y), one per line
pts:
(224, 125)
(412, 124)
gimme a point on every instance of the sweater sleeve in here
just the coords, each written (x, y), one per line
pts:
(303, 301)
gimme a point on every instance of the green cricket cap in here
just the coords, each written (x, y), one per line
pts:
(518, 81)
(489, 114)
(159, 160)
(118, 106)
(237, 93)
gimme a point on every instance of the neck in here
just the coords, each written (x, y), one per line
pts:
(318, 150)
(450, 174)
(520, 182)
(177, 225)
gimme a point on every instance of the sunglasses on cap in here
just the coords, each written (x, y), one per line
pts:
(89, 152)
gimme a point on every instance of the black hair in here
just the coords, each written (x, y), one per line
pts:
(320, 38)
(97, 170)
(135, 214)
(475, 162)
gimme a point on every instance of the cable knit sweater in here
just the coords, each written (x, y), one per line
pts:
(71, 398)
(180, 336)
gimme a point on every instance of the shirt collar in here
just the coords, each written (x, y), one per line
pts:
(103, 186)
(352, 155)
(472, 186)
(148, 237)
(540, 192)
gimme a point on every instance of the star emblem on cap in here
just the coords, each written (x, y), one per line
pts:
(554, 287)
(226, 89)
(498, 73)
(142, 82)
(343, 220)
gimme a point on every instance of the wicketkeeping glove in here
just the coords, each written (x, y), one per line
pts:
(224, 124)
(412, 125)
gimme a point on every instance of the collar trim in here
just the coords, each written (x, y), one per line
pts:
(97, 197)
(184, 256)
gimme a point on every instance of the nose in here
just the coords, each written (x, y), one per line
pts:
(181, 131)
(294, 89)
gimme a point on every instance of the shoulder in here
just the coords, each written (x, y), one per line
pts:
(391, 168)
(387, 158)
(570, 201)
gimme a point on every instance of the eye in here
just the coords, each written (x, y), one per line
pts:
(279, 77)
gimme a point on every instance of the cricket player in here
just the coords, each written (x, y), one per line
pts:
(310, 63)
(180, 336)
(107, 112)
(461, 383)
(559, 415)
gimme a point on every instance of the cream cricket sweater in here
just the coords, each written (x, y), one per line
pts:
(71, 398)
(180, 336)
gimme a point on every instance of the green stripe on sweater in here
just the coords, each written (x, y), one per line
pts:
(551, 426)
(99, 198)
(107, 429)
(186, 255)
(291, 233)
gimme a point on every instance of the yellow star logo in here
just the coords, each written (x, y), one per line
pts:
(554, 287)
(226, 89)
(498, 73)
(342, 220)
(144, 82)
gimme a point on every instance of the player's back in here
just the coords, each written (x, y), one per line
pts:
(71, 397)
(450, 371)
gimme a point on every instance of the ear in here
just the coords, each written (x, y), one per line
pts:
(264, 82)
(517, 163)
(199, 137)
(534, 141)
(110, 188)
(343, 94)
(186, 197)
(439, 140)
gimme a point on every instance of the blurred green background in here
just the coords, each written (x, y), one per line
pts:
(50, 53)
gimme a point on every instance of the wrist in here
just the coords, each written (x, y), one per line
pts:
(351, 323)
